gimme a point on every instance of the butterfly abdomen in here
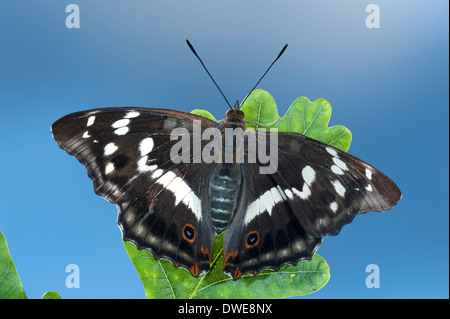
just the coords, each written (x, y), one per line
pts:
(224, 186)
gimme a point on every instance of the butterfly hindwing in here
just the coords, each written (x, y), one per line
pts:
(170, 219)
(264, 233)
(161, 203)
(316, 190)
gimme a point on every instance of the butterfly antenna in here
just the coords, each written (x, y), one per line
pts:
(279, 55)
(195, 53)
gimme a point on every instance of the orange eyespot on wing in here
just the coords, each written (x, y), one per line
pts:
(252, 239)
(189, 233)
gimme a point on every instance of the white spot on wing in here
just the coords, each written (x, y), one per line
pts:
(334, 207)
(277, 198)
(120, 123)
(253, 210)
(157, 173)
(304, 194)
(337, 170)
(143, 167)
(132, 114)
(110, 148)
(90, 121)
(281, 192)
(109, 168)
(340, 163)
(265, 203)
(146, 145)
(332, 151)
(183, 193)
(288, 193)
(308, 174)
(369, 187)
(86, 134)
(339, 188)
(122, 130)
(368, 173)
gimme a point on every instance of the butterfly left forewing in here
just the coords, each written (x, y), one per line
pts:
(112, 143)
(126, 152)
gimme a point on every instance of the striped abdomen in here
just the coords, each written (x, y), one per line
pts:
(224, 186)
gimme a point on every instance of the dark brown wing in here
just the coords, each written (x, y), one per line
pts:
(315, 191)
(161, 204)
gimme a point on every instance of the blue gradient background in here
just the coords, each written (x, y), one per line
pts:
(389, 86)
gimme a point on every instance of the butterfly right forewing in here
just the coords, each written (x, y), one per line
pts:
(335, 186)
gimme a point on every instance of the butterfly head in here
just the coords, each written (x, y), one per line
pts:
(235, 118)
(235, 112)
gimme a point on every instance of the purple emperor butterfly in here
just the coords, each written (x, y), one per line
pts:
(174, 209)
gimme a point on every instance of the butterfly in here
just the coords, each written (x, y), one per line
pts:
(174, 209)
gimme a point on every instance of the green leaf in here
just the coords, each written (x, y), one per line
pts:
(260, 107)
(303, 116)
(10, 285)
(204, 114)
(51, 295)
(162, 280)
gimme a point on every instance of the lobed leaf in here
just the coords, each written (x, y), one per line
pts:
(303, 116)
